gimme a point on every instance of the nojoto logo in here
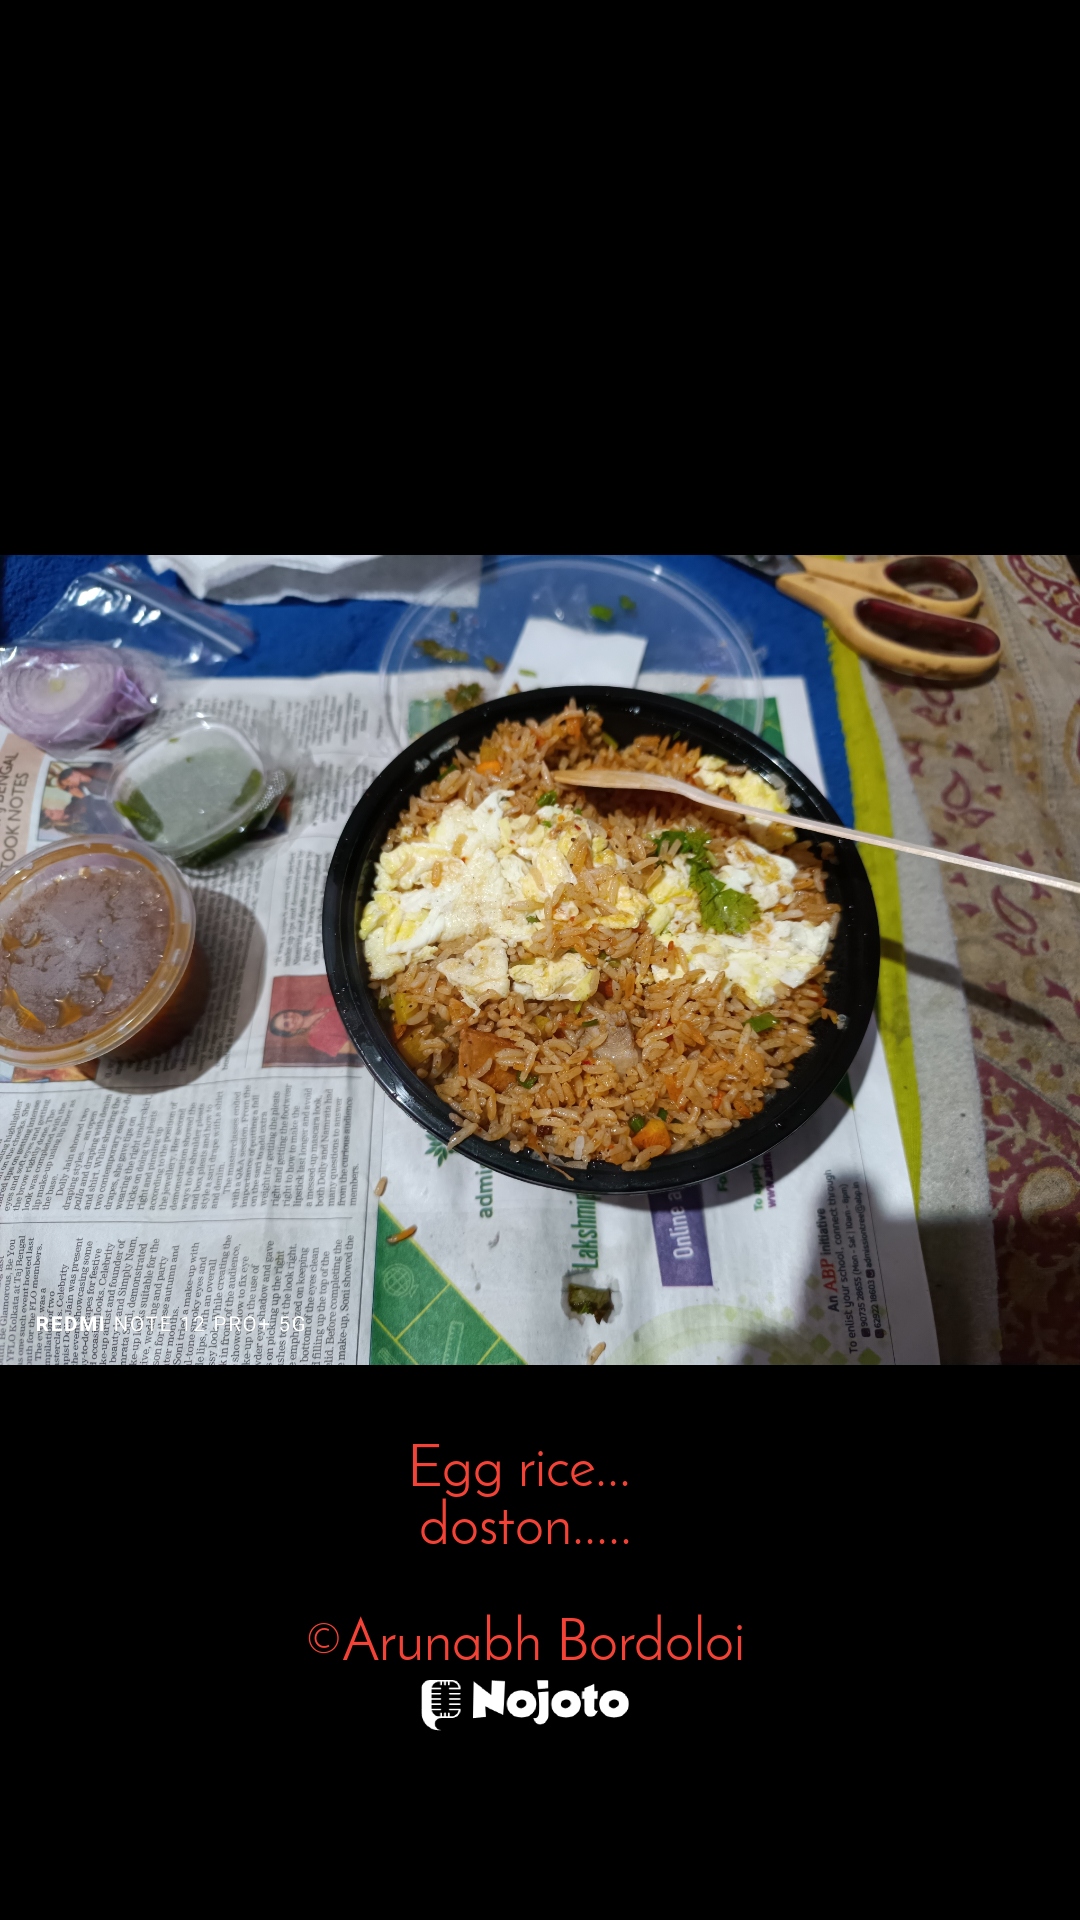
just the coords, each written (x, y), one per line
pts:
(440, 1700)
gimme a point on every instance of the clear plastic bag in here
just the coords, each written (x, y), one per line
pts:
(103, 659)
(125, 607)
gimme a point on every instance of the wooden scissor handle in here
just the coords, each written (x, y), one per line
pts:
(902, 579)
(905, 639)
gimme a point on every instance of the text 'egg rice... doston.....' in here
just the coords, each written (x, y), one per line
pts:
(602, 976)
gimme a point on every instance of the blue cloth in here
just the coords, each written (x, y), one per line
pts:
(299, 638)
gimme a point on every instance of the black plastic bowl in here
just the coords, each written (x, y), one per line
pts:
(854, 960)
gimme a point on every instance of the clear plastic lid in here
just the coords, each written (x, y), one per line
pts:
(121, 1003)
(444, 658)
(194, 785)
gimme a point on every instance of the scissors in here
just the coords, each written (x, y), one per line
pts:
(910, 614)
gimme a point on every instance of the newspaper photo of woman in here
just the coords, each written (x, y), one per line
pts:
(304, 1027)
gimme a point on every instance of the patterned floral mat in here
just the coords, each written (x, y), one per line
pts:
(996, 770)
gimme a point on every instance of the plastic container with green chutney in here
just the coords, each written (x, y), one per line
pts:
(196, 790)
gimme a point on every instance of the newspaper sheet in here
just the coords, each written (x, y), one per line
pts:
(215, 1206)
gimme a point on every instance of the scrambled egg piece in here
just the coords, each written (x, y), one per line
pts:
(480, 890)
(551, 867)
(788, 958)
(766, 876)
(480, 972)
(673, 898)
(750, 788)
(628, 911)
(752, 791)
(494, 870)
(567, 978)
(770, 953)
(475, 826)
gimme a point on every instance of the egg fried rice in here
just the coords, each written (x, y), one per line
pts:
(591, 975)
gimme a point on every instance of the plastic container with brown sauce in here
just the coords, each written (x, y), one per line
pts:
(97, 954)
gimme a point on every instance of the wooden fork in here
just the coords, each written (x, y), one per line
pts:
(821, 829)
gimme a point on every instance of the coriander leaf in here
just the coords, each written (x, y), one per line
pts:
(465, 696)
(549, 799)
(627, 605)
(492, 665)
(138, 810)
(594, 1300)
(452, 656)
(534, 917)
(602, 613)
(761, 1022)
(695, 843)
(723, 909)
(528, 673)
(453, 619)
(527, 1081)
(637, 1121)
(248, 791)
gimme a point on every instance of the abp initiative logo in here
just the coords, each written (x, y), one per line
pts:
(441, 1700)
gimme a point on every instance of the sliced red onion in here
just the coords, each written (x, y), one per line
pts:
(77, 696)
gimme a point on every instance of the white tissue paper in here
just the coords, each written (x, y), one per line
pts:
(262, 579)
(549, 654)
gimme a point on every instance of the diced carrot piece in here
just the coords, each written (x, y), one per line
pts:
(652, 1137)
(489, 766)
(675, 1092)
(607, 988)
